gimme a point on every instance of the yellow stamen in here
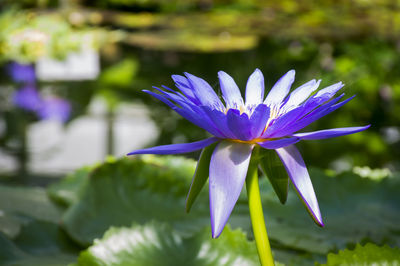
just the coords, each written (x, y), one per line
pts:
(253, 141)
(241, 109)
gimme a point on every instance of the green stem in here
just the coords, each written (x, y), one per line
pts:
(257, 217)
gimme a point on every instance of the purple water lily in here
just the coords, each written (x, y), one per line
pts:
(48, 108)
(24, 73)
(27, 98)
(30, 99)
(54, 109)
(239, 125)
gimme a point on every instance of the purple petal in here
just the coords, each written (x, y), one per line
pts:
(324, 95)
(255, 88)
(230, 91)
(220, 120)
(172, 95)
(300, 94)
(190, 112)
(184, 85)
(329, 92)
(258, 120)
(181, 80)
(204, 92)
(304, 121)
(275, 144)
(239, 124)
(318, 113)
(280, 89)
(177, 148)
(161, 98)
(283, 121)
(228, 169)
(298, 173)
(330, 133)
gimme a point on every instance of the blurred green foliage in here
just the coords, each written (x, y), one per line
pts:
(27, 36)
(355, 42)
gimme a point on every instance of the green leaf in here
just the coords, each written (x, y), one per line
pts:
(120, 74)
(200, 175)
(39, 244)
(273, 168)
(157, 244)
(354, 209)
(138, 190)
(67, 191)
(369, 254)
(16, 203)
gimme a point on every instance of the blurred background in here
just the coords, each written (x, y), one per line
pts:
(72, 74)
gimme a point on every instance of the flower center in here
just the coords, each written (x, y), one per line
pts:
(253, 141)
(242, 109)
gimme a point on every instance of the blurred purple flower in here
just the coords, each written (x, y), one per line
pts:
(24, 73)
(241, 124)
(27, 98)
(54, 109)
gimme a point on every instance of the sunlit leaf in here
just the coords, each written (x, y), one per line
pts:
(369, 254)
(158, 244)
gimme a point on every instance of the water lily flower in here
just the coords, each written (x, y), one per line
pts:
(54, 108)
(27, 98)
(24, 73)
(46, 108)
(30, 99)
(240, 125)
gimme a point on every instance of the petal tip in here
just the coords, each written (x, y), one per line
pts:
(215, 233)
(258, 71)
(188, 75)
(319, 221)
(314, 213)
(221, 73)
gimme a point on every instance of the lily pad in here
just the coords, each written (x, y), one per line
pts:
(17, 203)
(369, 254)
(39, 244)
(67, 191)
(354, 209)
(139, 190)
(158, 244)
